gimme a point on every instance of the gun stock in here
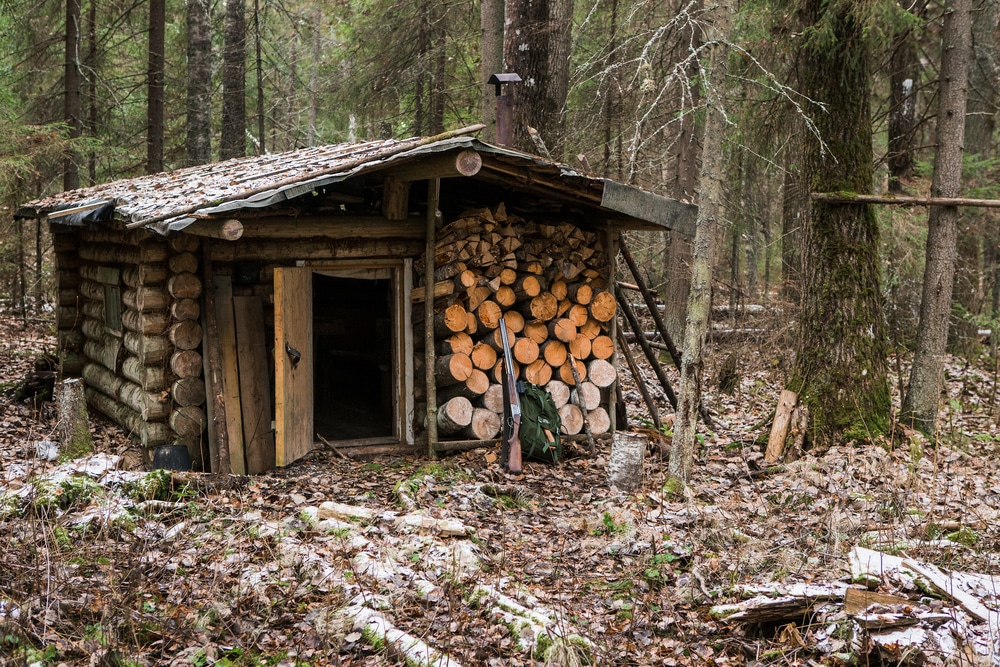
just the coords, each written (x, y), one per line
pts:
(511, 450)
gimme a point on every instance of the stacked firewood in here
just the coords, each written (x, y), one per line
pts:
(548, 283)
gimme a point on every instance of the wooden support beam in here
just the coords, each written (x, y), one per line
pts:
(333, 227)
(227, 230)
(448, 165)
(633, 322)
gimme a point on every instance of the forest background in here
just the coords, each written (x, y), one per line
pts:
(99, 90)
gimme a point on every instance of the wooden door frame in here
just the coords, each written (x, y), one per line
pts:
(401, 284)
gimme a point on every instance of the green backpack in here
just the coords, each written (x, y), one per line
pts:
(540, 424)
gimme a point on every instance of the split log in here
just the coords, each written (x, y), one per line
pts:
(73, 424)
(572, 419)
(603, 306)
(184, 286)
(779, 428)
(459, 343)
(454, 415)
(477, 296)
(489, 314)
(600, 421)
(185, 309)
(441, 288)
(149, 378)
(145, 274)
(188, 391)
(602, 347)
(186, 363)
(554, 352)
(186, 335)
(472, 324)
(484, 426)
(580, 347)
(149, 323)
(559, 391)
(538, 372)
(536, 330)
(150, 434)
(452, 369)
(146, 299)
(625, 461)
(588, 396)
(188, 421)
(601, 373)
(580, 293)
(184, 262)
(484, 355)
(465, 279)
(149, 405)
(477, 385)
(566, 371)
(492, 398)
(497, 373)
(562, 329)
(525, 351)
(591, 328)
(151, 350)
(451, 320)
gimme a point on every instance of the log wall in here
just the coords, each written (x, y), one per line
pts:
(144, 374)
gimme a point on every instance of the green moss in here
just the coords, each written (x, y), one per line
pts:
(372, 639)
(154, 485)
(673, 488)
(542, 646)
(964, 535)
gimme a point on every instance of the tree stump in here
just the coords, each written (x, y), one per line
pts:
(74, 426)
(625, 462)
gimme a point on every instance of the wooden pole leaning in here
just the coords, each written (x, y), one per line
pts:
(633, 323)
(433, 196)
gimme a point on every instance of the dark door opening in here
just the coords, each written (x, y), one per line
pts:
(354, 394)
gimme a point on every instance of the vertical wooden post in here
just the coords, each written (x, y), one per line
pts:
(612, 248)
(433, 194)
(218, 455)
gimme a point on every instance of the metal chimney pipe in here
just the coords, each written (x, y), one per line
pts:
(505, 107)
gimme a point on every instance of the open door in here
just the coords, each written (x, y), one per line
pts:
(293, 361)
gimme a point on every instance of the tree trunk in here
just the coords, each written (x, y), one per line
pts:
(904, 74)
(840, 370)
(560, 51)
(610, 85)
(91, 81)
(526, 52)
(74, 425)
(234, 105)
(491, 18)
(311, 132)
(439, 46)
(259, 66)
(154, 86)
(924, 392)
(199, 83)
(710, 212)
(72, 109)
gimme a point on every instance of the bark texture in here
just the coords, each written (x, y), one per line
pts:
(840, 370)
(491, 17)
(904, 74)
(526, 52)
(72, 106)
(154, 87)
(234, 70)
(199, 83)
(710, 212)
(924, 392)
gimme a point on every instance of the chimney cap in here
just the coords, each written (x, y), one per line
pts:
(499, 79)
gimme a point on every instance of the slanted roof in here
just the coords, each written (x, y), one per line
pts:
(169, 201)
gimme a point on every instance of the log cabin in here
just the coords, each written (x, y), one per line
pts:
(348, 294)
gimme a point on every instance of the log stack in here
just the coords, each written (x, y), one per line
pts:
(549, 283)
(139, 313)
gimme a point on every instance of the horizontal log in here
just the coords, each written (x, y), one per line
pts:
(145, 274)
(226, 230)
(152, 323)
(150, 434)
(850, 198)
(302, 249)
(119, 254)
(102, 379)
(101, 274)
(477, 385)
(150, 349)
(188, 391)
(184, 262)
(146, 299)
(186, 363)
(188, 421)
(183, 242)
(149, 378)
(184, 286)
(601, 373)
(71, 363)
(151, 406)
(599, 420)
(106, 235)
(485, 424)
(107, 355)
(454, 415)
(448, 165)
(185, 309)
(559, 391)
(441, 288)
(185, 335)
(452, 369)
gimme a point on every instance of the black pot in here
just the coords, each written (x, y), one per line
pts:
(172, 457)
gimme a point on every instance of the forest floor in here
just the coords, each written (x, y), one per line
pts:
(337, 562)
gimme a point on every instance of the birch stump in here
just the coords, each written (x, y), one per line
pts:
(625, 462)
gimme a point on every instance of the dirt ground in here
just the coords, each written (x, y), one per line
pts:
(105, 564)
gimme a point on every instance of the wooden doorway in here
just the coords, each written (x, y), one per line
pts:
(341, 357)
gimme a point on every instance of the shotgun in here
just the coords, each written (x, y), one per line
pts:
(510, 437)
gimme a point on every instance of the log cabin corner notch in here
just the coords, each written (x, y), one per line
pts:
(252, 308)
